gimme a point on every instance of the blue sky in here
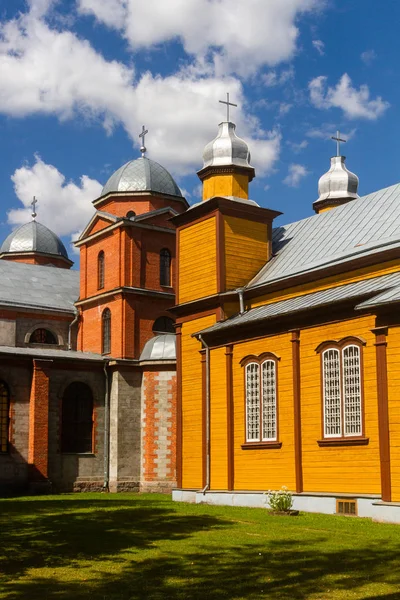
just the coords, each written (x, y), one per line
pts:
(78, 78)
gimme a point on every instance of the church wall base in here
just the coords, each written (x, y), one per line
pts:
(369, 506)
(158, 487)
(124, 486)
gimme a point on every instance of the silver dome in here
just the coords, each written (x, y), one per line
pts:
(34, 237)
(227, 149)
(141, 175)
(338, 183)
(160, 347)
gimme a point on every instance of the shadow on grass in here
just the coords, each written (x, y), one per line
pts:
(126, 532)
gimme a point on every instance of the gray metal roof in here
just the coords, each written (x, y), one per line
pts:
(160, 347)
(45, 353)
(142, 174)
(363, 226)
(34, 237)
(323, 298)
(392, 295)
(227, 149)
(38, 287)
(338, 182)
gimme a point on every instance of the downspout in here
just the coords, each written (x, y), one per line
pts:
(207, 486)
(106, 431)
(70, 330)
(240, 291)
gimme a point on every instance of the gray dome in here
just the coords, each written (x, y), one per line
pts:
(227, 149)
(34, 237)
(338, 183)
(160, 347)
(142, 175)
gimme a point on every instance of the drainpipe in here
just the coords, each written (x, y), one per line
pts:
(207, 486)
(76, 319)
(240, 292)
(106, 431)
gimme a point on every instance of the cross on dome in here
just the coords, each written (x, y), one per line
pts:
(228, 104)
(338, 139)
(33, 204)
(143, 135)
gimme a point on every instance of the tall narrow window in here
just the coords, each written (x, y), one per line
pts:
(342, 389)
(100, 270)
(165, 267)
(77, 419)
(261, 401)
(4, 416)
(106, 331)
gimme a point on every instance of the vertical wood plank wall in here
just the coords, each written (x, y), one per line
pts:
(393, 363)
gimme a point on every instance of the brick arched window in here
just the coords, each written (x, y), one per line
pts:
(100, 270)
(77, 419)
(42, 336)
(163, 325)
(165, 267)
(4, 416)
(106, 331)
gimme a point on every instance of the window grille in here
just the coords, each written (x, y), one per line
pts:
(165, 267)
(352, 390)
(100, 270)
(332, 401)
(261, 417)
(42, 336)
(4, 416)
(253, 402)
(106, 331)
(77, 419)
(346, 507)
(269, 400)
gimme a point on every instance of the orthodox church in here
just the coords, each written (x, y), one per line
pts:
(87, 359)
(288, 343)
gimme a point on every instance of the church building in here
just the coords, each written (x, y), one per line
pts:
(288, 343)
(87, 359)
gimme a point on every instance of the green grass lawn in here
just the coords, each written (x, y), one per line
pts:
(120, 547)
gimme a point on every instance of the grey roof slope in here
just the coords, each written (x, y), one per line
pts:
(359, 289)
(34, 237)
(160, 347)
(362, 226)
(142, 174)
(38, 287)
(48, 353)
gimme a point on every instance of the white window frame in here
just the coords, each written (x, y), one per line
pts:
(261, 393)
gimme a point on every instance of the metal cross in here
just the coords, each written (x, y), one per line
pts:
(143, 135)
(338, 139)
(33, 204)
(228, 104)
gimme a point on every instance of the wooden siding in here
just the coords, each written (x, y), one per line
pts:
(246, 250)
(393, 362)
(219, 444)
(192, 403)
(347, 469)
(263, 469)
(226, 185)
(198, 261)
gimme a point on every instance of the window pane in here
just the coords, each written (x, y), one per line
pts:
(352, 390)
(106, 326)
(42, 336)
(269, 400)
(100, 273)
(165, 267)
(332, 407)
(4, 410)
(252, 402)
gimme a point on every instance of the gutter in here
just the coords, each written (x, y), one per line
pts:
(208, 398)
(76, 319)
(240, 292)
(106, 431)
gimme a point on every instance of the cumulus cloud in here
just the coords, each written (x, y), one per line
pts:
(297, 147)
(295, 174)
(319, 46)
(272, 78)
(51, 71)
(356, 104)
(236, 36)
(63, 206)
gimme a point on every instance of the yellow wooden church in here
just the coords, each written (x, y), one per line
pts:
(288, 341)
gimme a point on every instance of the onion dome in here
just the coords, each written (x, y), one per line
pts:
(227, 149)
(33, 237)
(142, 175)
(160, 347)
(337, 186)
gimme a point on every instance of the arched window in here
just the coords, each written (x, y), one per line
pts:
(100, 270)
(165, 267)
(163, 325)
(77, 419)
(4, 416)
(42, 336)
(106, 331)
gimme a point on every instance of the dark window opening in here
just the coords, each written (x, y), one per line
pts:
(42, 336)
(77, 419)
(100, 270)
(165, 267)
(106, 331)
(4, 416)
(163, 325)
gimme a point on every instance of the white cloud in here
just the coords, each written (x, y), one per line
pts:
(327, 130)
(297, 147)
(295, 174)
(354, 103)
(273, 79)
(368, 57)
(63, 206)
(49, 71)
(319, 46)
(236, 36)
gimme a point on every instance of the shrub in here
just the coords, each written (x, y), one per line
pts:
(281, 500)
